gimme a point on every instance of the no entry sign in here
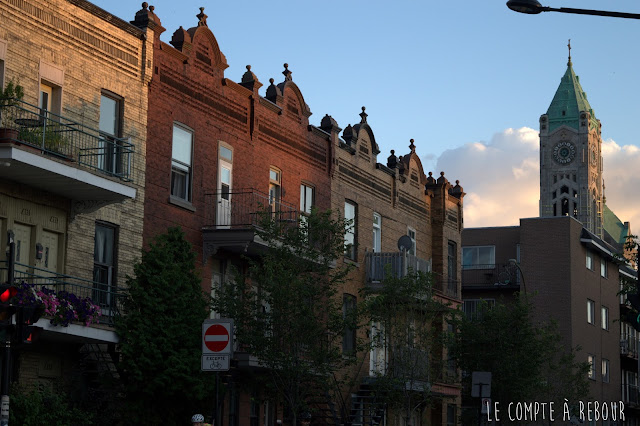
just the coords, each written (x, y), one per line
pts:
(217, 337)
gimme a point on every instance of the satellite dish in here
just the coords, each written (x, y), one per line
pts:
(405, 243)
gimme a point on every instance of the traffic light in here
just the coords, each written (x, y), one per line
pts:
(633, 317)
(27, 316)
(7, 308)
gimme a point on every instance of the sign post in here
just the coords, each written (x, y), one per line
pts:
(217, 350)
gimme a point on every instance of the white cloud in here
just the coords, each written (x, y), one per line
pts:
(502, 178)
(622, 181)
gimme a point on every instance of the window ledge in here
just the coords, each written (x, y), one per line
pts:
(181, 203)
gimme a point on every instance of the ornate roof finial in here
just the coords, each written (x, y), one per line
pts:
(287, 73)
(145, 5)
(152, 8)
(363, 115)
(202, 18)
(569, 46)
(412, 146)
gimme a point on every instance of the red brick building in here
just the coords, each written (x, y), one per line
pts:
(219, 151)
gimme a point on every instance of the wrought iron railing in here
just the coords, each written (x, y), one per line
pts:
(58, 136)
(398, 264)
(246, 208)
(490, 275)
(447, 286)
(629, 346)
(104, 295)
(409, 363)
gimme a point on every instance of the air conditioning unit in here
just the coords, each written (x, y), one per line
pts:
(624, 346)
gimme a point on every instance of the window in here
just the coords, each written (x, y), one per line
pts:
(591, 311)
(604, 270)
(275, 178)
(307, 195)
(590, 261)
(377, 233)
(452, 268)
(473, 308)
(104, 265)
(451, 415)
(478, 257)
(604, 317)
(349, 337)
(351, 233)
(591, 359)
(225, 177)
(181, 163)
(412, 234)
(605, 370)
(109, 153)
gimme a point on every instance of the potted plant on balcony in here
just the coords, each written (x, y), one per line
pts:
(52, 135)
(9, 98)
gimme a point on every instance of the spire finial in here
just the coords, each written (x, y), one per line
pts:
(569, 46)
(363, 116)
(202, 18)
(412, 146)
(287, 73)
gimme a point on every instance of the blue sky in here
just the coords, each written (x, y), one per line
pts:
(455, 76)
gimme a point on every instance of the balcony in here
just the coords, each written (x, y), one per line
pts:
(630, 394)
(398, 264)
(107, 297)
(231, 220)
(58, 155)
(411, 365)
(629, 346)
(490, 277)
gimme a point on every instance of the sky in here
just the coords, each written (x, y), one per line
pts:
(466, 80)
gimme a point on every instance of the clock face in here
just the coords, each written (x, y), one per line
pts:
(564, 152)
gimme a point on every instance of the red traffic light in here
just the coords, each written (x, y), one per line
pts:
(7, 293)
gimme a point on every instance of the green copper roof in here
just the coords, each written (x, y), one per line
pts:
(614, 226)
(568, 101)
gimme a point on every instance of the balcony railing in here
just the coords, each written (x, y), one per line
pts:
(447, 286)
(104, 295)
(630, 394)
(246, 208)
(398, 264)
(490, 275)
(629, 346)
(60, 137)
(410, 364)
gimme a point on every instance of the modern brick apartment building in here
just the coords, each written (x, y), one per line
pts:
(572, 256)
(72, 170)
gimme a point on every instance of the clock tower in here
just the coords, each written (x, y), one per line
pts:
(570, 156)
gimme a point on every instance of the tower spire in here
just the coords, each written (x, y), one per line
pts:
(569, 46)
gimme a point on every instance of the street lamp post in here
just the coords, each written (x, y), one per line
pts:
(533, 7)
(517, 265)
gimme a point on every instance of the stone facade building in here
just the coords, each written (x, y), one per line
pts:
(72, 168)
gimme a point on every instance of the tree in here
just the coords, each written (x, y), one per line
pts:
(528, 361)
(160, 334)
(407, 326)
(286, 308)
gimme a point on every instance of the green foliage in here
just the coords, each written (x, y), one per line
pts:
(45, 407)
(160, 334)
(52, 136)
(286, 308)
(528, 361)
(9, 97)
(407, 326)
(12, 91)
